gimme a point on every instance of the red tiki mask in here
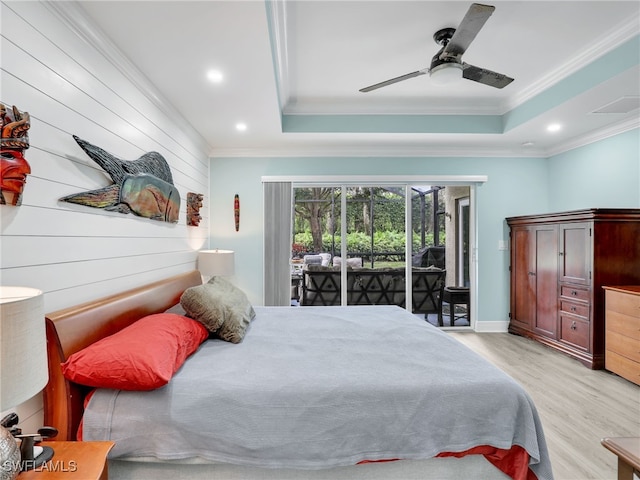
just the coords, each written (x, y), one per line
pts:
(14, 168)
(13, 175)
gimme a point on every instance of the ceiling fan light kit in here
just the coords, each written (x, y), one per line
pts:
(447, 65)
(446, 73)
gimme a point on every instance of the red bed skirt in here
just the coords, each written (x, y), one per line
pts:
(513, 462)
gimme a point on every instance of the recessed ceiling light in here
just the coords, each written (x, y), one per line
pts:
(241, 127)
(215, 76)
(554, 127)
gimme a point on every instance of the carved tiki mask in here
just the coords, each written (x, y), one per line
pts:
(194, 203)
(14, 168)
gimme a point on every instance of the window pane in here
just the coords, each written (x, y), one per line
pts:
(316, 241)
(375, 225)
(428, 250)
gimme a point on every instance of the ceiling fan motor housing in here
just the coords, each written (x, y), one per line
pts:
(443, 36)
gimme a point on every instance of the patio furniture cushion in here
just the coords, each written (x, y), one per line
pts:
(312, 260)
(355, 262)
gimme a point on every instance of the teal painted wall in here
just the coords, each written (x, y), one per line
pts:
(603, 174)
(515, 186)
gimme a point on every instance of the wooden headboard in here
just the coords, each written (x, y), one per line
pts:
(72, 329)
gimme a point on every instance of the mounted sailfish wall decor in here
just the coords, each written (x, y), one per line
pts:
(143, 187)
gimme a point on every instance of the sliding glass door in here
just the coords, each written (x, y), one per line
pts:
(438, 217)
(381, 244)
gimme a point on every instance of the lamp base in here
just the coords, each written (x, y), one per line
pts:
(9, 455)
(28, 454)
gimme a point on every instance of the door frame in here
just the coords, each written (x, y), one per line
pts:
(473, 181)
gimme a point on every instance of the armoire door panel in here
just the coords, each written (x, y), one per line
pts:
(575, 250)
(546, 278)
(523, 300)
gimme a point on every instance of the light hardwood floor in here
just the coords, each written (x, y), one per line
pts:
(577, 406)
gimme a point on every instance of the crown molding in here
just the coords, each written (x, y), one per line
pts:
(595, 136)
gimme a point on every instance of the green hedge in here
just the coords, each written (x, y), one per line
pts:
(385, 241)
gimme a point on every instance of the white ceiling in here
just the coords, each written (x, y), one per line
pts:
(297, 66)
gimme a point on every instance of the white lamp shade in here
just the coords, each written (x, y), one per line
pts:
(446, 73)
(216, 262)
(23, 345)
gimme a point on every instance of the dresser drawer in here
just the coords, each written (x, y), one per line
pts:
(623, 366)
(575, 293)
(575, 308)
(625, 303)
(575, 331)
(623, 345)
(623, 324)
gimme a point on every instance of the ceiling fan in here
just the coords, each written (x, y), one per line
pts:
(447, 64)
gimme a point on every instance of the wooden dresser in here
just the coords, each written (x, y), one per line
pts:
(559, 264)
(622, 331)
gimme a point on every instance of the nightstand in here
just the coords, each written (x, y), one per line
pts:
(628, 451)
(73, 460)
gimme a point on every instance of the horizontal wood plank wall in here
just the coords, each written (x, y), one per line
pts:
(73, 81)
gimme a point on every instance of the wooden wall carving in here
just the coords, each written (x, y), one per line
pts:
(14, 168)
(194, 203)
(143, 186)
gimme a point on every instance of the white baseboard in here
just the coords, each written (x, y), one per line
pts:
(492, 327)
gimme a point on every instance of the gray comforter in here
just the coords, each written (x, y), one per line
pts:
(318, 387)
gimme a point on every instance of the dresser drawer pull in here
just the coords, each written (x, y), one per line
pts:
(573, 325)
(574, 292)
(573, 309)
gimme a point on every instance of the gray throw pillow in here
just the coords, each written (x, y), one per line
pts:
(221, 307)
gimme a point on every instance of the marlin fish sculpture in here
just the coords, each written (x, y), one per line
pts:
(143, 186)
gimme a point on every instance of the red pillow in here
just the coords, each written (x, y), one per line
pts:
(142, 356)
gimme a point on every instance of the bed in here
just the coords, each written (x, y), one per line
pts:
(313, 393)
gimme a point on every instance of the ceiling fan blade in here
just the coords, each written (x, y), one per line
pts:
(394, 80)
(487, 77)
(471, 24)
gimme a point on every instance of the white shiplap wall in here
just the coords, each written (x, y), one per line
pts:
(72, 81)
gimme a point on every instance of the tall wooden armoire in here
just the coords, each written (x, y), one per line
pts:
(559, 264)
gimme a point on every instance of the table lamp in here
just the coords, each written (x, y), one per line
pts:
(212, 263)
(23, 373)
